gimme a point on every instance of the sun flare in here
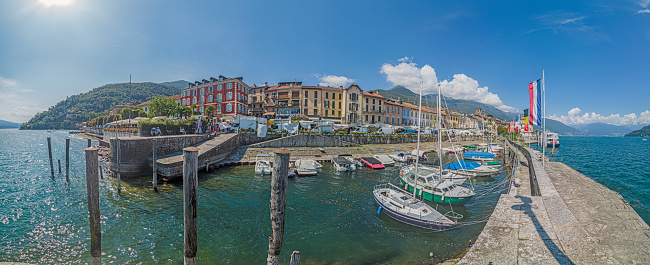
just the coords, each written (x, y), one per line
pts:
(49, 3)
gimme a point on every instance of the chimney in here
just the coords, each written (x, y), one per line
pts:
(266, 83)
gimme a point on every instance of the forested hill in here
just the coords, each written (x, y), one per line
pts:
(643, 132)
(99, 101)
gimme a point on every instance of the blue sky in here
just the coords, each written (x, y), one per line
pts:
(595, 53)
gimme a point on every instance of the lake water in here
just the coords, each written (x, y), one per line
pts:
(331, 218)
(619, 163)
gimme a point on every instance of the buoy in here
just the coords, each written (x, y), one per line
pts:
(379, 210)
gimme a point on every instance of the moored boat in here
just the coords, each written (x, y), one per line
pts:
(401, 157)
(478, 156)
(305, 167)
(433, 187)
(385, 159)
(371, 162)
(263, 166)
(342, 163)
(472, 169)
(404, 207)
(552, 140)
(452, 149)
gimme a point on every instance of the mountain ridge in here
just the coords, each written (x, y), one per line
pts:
(7, 124)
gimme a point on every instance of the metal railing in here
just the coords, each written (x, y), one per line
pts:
(534, 186)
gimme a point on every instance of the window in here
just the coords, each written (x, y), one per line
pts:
(306, 100)
(373, 101)
(315, 111)
(219, 108)
(397, 120)
(229, 86)
(326, 113)
(219, 87)
(366, 116)
(392, 121)
(210, 98)
(315, 102)
(327, 94)
(339, 114)
(228, 96)
(327, 104)
(194, 92)
(306, 94)
(210, 89)
(228, 107)
(366, 100)
(339, 104)
(340, 98)
(316, 94)
(219, 97)
(202, 109)
(380, 102)
(194, 100)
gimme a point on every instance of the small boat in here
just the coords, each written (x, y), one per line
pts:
(644, 139)
(552, 140)
(421, 154)
(305, 167)
(371, 162)
(263, 166)
(472, 169)
(342, 163)
(434, 188)
(452, 149)
(385, 159)
(401, 157)
(478, 156)
(469, 147)
(404, 207)
(74, 132)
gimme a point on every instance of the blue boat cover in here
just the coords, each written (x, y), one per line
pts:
(462, 164)
(479, 154)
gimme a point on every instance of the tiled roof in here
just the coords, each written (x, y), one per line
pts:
(368, 94)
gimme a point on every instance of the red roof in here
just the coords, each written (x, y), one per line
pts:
(372, 95)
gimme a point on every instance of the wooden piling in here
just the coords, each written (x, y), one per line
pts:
(190, 198)
(155, 173)
(279, 180)
(295, 258)
(101, 172)
(49, 151)
(59, 166)
(119, 179)
(90, 142)
(67, 159)
(92, 184)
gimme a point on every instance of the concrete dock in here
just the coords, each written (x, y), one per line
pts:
(575, 220)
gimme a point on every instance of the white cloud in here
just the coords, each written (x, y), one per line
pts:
(461, 87)
(15, 108)
(334, 81)
(644, 3)
(573, 117)
(405, 59)
(647, 11)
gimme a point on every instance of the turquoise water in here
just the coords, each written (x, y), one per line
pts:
(619, 163)
(331, 218)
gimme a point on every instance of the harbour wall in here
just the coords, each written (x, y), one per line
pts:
(345, 140)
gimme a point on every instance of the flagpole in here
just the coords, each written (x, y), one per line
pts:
(544, 121)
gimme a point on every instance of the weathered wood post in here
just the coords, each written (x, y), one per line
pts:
(92, 184)
(190, 198)
(279, 180)
(67, 159)
(59, 166)
(101, 172)
(119, 179)
(295, 258)
(49, 151)
(90, 142)
(155, 173)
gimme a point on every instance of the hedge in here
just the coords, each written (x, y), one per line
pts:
(144, 126)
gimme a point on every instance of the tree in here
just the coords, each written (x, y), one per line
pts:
(161, 106)
(490, 115)
(210, 110)
(501, 130)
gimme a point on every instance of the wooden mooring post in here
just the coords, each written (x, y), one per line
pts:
(59, 166)
(90, 142)
(49, 151)
(279, 179)
(67, 159)
(153, 160)
(190, 198)
(92, 184)
(101, 172)
(119, 180)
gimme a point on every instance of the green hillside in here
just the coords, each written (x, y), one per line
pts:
(97, 102)
(643, 132)
(463, 106)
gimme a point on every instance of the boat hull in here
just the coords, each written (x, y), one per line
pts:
(435, 198)
(412, 221)
(553, 145)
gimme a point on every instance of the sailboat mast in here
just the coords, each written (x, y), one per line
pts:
(417, 149)
(439, 134)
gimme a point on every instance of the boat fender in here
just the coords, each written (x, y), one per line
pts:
(379, 210)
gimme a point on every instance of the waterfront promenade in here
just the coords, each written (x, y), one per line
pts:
(575, 221)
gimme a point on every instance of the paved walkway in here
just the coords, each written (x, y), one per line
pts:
(575, 221)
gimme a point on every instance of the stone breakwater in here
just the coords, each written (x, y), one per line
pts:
(574, 220)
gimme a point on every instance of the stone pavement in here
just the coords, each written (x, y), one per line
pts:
(575, 221)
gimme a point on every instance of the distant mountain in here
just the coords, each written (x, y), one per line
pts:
(603, 129)
(86, 106)
(559, 128)
(643, 132)
(180, 84)
(463, 106)
(8, 124)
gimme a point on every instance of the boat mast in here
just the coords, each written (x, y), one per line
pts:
(439, 136)
(417, 149)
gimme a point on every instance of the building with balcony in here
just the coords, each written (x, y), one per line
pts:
(352, 104)
(372, 106)
(393, 112)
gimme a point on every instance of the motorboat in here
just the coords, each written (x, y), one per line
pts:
(371, 162)
(385, 159)
(404, 207)
(478, 156)
(401, 157)
(419, 154)
(262, 164)
(434, 187)
(452, 149)
(342, 163)
(305, 167)
(472, 169)
(552, 140)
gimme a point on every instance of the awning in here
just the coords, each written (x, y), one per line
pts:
(268, 113)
